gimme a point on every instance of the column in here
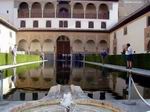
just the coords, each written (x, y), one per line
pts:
(71, 5)
(97, 9)
(84, 8)
(55, 9)
(30, 9)
(42, 9)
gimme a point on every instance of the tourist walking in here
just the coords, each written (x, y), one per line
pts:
(129, 56)
(14, 53)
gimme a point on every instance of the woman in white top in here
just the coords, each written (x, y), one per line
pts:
(129, 55)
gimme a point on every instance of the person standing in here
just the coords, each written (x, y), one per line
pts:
(129, 56)
(14, 53)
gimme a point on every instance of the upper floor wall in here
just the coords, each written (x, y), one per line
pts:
(29, 10)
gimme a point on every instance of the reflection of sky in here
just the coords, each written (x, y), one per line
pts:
(8, 85)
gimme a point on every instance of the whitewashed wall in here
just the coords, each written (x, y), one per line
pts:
(7, 38)
(7, 10)
(135, 36)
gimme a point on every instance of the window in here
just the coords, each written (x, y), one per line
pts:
(35, 24)
(148, 21)
(63, 23)
(22, 96)
(60, 23)
(34, 96)
(22, 24)
(78, 24)
(91, 24)
(125, 31)
(48, 23)
(10, 34)
(103, 25)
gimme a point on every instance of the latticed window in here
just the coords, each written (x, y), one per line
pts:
(22, 24)
(125, 31)
(103, 25)
(78, 24)
(48, 23)
(35, 24)
(91, 24)
(65, 23)
(60, 23)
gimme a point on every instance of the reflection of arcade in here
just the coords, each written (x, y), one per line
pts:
(63, 72)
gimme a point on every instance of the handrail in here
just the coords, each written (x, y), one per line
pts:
(3, 67)
(147, 103)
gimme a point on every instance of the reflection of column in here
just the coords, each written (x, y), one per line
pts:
(14, 74)
(28, 49)
(54, 61)
(1, 85)
(71, 57)
(84, 57)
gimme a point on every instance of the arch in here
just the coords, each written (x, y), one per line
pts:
(78, 46)
(63, 46)
(90, 11)
(23, 10)
(90, 46)
(48, 10)
(64, 10)
(78, 11)
(148, 46)
(22, 45)
(48, 46)
(36, 10)
(103, 12)
(35, 46)
(103, 45)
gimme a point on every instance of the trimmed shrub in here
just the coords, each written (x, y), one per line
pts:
(139, 60)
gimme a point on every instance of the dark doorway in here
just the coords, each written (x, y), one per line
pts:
(63, 48)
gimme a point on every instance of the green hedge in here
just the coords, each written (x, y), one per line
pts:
(139, 60)
(6, 58)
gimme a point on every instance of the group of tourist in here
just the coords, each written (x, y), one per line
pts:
(127, 52)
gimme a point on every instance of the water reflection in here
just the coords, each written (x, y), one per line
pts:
(34, 84)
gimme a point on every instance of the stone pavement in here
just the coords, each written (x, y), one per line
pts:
(139, 71)
(3, 67)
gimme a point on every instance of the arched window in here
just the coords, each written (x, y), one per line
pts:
(22, 45)
(103, 12)
(78, 11)
(23, 11)
(48, 10)
(90, 11)
(36, 10)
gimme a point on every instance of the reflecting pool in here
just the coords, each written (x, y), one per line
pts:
(97, 83)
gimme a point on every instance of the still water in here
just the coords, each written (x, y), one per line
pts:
(97, 83)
